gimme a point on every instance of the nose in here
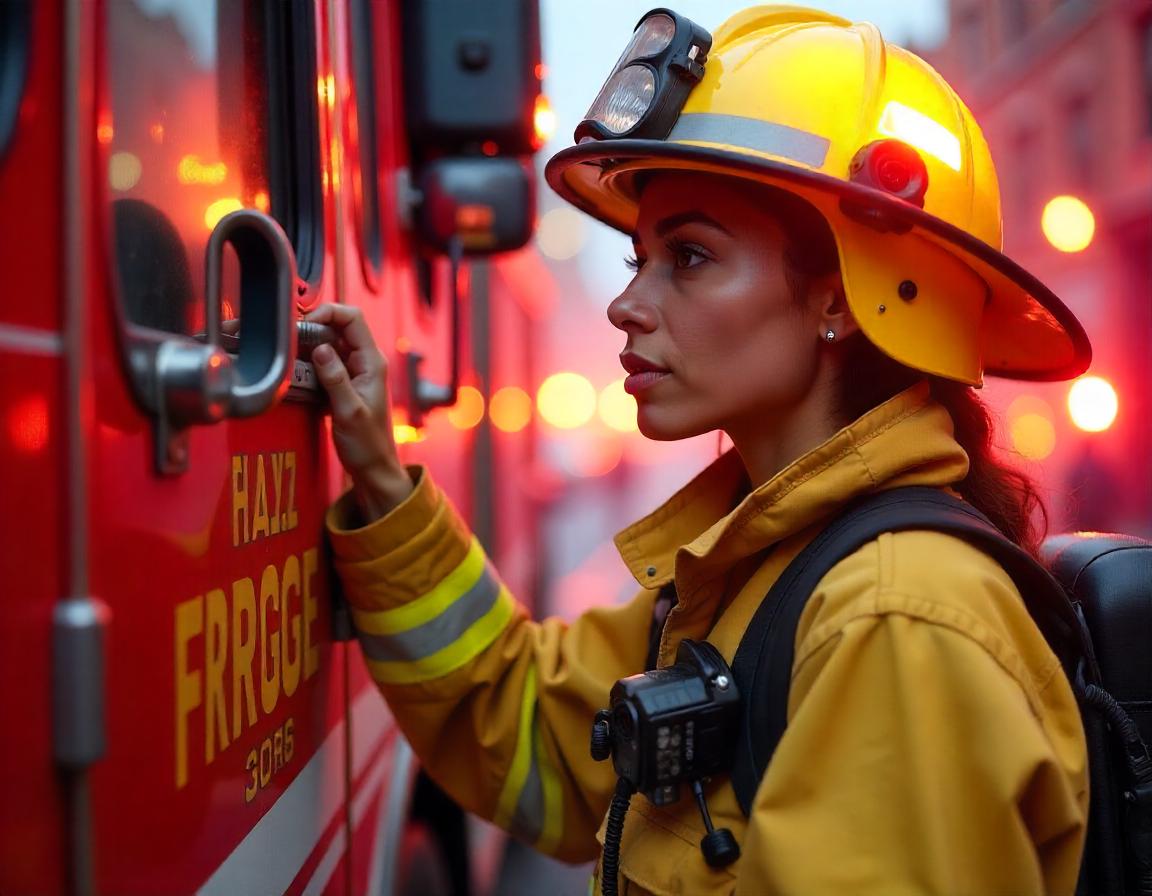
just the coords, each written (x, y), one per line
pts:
(630, 312)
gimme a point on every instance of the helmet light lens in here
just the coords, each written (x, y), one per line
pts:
(624, 99)
(651, 36)
(646, 89)
(894, 175)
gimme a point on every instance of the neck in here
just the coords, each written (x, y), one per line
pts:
(777, 437)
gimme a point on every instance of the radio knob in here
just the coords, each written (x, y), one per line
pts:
(601, 737)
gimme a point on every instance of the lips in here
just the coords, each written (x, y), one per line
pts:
(642, 373)
(634, 363)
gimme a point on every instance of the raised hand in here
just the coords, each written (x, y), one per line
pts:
(355, 375)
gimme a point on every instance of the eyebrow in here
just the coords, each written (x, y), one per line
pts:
(667, 225)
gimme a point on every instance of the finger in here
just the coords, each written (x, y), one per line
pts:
(363, 362)
(333, 376)
(348, 321)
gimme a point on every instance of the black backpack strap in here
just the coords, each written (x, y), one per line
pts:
(666, 599)
(762, 666)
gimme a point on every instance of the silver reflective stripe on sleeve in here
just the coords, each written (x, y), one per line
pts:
(751, 133)
(440, 631)
(527, 820)
(531, 801)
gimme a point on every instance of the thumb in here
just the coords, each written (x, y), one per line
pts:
(333, 376)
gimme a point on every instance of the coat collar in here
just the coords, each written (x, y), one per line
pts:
(715, 521)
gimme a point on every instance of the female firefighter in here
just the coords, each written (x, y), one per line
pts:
(816, 224)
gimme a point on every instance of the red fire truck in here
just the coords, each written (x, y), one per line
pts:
(180, 180)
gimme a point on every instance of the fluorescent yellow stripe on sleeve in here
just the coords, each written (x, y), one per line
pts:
(553, 800)
(522, 758)
(430, 605)
(459, 653)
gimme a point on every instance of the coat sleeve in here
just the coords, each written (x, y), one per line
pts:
(915, 763)
(497, 707)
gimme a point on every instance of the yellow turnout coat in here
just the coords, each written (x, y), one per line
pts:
(933, 745)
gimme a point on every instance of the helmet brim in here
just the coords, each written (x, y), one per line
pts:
(1027, 333)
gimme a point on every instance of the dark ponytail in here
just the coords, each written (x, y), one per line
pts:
(1004, 494)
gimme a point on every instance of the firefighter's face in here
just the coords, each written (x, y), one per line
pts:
(716, 339)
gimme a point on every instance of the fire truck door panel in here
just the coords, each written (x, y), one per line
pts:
(31, 456)
(227, 698)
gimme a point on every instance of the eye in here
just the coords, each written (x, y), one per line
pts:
(687, 255)
(633, 263)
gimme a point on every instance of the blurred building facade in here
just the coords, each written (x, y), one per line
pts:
(1063, 90)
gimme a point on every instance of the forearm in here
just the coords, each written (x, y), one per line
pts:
(380, 490)
(507, 737)
(497, 706)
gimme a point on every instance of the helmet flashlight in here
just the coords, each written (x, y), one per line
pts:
(651, 80)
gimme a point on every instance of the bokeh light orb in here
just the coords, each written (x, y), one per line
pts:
(1068, 224)
(566, 400)
(617, 407)
(468, 410)
(1033, 436)
(510, 409)
(561, 233)
(1031, 427)
(1093, 403)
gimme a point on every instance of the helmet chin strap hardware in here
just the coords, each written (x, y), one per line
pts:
(892, 167)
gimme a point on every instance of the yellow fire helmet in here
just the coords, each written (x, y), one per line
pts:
(869, 134)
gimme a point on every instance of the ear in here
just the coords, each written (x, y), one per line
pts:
(827, 296)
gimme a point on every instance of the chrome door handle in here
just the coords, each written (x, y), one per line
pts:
(267, 307)
(199, 382)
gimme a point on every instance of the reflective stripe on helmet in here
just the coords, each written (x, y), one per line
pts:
(753, 134)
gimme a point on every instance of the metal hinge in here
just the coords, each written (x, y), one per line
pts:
(78, 647)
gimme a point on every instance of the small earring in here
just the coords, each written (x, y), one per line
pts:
(830, 336)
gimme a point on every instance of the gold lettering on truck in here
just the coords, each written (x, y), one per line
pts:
(189, 624)
(243, 653)
(259, 639)
(269, 638)
(260, 510)
(291, 642)
(215, 656)
(239, 500)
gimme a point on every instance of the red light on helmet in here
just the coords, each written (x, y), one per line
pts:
(886, 166)
(647, 87)
(892, 167)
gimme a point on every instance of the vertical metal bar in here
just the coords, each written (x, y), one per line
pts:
(335, 132)
(78, 669)
(483, 455)
(74, 216)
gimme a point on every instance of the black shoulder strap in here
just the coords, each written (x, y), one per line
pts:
(763, 663)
